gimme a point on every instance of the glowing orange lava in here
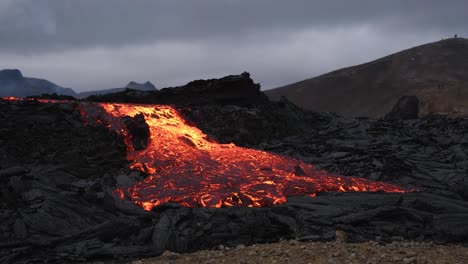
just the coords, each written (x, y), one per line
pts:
(186, 168)
(12, 99)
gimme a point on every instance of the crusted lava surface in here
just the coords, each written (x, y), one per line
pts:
(185, 167)
(61, 172)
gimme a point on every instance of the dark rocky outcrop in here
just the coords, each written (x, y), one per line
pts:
(406, 108)
(250, 126)
(237, 90)
(138, 131)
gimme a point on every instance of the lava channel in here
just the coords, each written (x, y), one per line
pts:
(186, 168)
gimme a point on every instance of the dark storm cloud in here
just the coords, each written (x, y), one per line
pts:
(91, 44)
(49, 25)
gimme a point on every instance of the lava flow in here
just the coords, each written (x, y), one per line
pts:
(186, 168)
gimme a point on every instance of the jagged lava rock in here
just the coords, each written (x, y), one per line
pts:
(138, 130)
(230, 90)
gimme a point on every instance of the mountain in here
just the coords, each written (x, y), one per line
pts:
(13, 83)
(147, 86)
(437, 73)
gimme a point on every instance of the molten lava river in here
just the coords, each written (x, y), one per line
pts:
(186, 168)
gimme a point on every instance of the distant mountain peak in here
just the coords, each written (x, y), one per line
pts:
(11, 74)
(13, 83)
(147, 86)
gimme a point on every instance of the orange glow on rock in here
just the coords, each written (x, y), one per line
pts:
(186, 168)
(11, 98)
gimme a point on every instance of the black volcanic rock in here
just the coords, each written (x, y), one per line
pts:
(230, 90)
(234, 89)
(11, 74)
(406, 108)
(138, 130)
(427, 154)
(250, 126)
(58, 175)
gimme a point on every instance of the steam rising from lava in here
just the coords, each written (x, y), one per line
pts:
(185, 167)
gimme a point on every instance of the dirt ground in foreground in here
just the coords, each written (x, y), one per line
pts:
(322, 252)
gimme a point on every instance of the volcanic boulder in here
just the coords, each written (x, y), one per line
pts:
(138, 130)
(406, 108)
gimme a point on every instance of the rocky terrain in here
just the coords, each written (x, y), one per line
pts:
(58, 172)
(422, 153)
(293, 251)
(436, 73)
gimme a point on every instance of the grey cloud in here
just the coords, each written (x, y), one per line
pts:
(48, 25)
(285, 58)
(90, 44)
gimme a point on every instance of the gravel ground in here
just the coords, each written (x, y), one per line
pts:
(320, 252)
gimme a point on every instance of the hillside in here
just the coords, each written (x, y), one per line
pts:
(13, 83)
(437, 73)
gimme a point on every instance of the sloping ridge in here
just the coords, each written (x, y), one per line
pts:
(147, 86)
(437, 73)
(13, 83)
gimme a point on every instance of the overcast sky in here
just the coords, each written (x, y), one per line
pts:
(90, 44)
